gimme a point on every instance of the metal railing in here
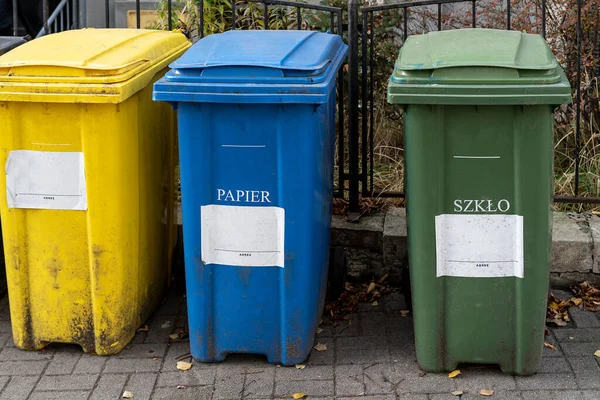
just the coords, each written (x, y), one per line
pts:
(363, 120)
(64, 17)
(363, 173)
(335, 13)
(334, 25)
(355, 145)
(356, 90)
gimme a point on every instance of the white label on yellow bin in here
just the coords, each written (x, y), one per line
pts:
(479, 246)
(243, 236)
(46, 180)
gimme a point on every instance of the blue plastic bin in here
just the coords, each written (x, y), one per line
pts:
(256, 112)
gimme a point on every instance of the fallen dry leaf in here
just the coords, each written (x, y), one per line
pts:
(319, 330)
(375, 303)
(155, 358)
(127, 395)
(183, 365)
(558, 322)
(174, 336)
(299, 395)
(549, 346)
(300, 366)
(486, 392)
(457, 393)
(557, 311)
(454, 373)
(371, 287)
(320, 347)
(347, 303)
(404, 313)
(597, 353)
(588, 294)
(383, 278)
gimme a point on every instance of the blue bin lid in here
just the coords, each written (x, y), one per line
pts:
(251, 64)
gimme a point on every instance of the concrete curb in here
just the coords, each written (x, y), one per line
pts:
(377, 245)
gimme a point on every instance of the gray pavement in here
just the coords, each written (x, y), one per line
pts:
(373, 357)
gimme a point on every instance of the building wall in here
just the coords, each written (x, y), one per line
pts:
(96, 17)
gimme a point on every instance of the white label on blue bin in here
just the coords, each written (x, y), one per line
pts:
(479, 246)
(46, 180)
(243, 236)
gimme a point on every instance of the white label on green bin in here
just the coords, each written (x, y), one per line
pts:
(46, 180)
(479, 246)
(243, 236)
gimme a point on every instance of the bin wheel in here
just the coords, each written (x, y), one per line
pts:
(337, 272)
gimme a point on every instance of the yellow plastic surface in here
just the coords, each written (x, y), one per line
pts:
(92, 277)
(77, 65)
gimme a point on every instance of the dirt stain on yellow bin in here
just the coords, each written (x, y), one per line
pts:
(87, 205)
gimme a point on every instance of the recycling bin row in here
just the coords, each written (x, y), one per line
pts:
(89, 147)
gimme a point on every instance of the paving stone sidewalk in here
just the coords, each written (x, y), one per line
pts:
(373, 357)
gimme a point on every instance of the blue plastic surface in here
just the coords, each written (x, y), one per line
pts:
(256, 156)
(255, 67)
(287, 50)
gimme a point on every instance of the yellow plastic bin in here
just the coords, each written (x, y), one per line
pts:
(87, 217)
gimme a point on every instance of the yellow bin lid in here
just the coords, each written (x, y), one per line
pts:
(87, 65)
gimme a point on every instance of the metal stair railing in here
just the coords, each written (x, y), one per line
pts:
(64, 17)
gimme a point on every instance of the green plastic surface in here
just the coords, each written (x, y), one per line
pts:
(478, 151)
(477, 66)
(478, 320)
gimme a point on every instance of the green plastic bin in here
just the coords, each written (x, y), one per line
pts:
(478, 115)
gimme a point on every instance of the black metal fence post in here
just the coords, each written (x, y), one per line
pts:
(76, 20)
(45, 15)
(15, 18)
(107, 12)
(83, 19)
(353, 63)
(578, 100)
(170, 15)
(138, 11)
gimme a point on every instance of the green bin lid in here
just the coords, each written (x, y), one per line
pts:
(477, 66)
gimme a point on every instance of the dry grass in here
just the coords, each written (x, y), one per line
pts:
(589, 153)
(388, 148)
(388, 152)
